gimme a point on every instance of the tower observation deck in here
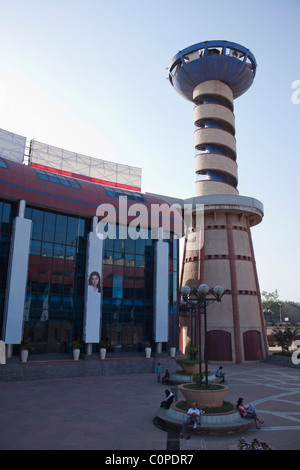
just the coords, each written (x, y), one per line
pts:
(211, 74)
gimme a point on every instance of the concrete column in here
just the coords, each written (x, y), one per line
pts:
(22, 206)
(9, 350)
(93, 294)
(161, 289)
(17, 279)
(234, 293)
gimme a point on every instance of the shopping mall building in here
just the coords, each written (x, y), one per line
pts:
(85, 255)
(66, 275)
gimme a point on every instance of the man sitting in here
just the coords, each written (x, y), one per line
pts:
(193, 417)
(166, 377)
(220, 374)
(168, 401)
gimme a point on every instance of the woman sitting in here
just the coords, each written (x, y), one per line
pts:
(249, 412)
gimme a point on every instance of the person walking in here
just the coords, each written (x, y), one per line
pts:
(158, 371)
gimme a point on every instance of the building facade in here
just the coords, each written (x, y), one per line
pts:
(85, 255)
(64, 277)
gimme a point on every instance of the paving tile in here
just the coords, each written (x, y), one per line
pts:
(116, 412)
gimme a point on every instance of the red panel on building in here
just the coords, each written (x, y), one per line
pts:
(252, 346)
(219, 346)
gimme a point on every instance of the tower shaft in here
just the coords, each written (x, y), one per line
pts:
(215, 162)
(212, 74)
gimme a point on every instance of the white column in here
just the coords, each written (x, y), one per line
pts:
(22, 206)
(161, 291)
(17, 279)
(93, 293)
(2, 353)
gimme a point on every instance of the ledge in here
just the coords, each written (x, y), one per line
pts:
(221, 423)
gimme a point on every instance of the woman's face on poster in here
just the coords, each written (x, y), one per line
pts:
(95, 281)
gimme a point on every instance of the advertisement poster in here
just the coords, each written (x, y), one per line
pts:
(93, 290)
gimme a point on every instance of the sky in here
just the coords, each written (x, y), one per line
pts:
(90, 76)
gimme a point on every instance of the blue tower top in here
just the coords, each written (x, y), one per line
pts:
(212, 60)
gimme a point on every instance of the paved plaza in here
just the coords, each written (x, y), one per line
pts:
(117, 412)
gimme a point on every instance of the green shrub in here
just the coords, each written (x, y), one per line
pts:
(194, 386)
(225, 408)
(188, 362)
(193, 351)
(196, 378)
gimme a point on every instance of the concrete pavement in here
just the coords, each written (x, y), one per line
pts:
(116, 412)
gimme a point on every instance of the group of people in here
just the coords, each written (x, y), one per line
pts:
(194, 413)
(165, 378)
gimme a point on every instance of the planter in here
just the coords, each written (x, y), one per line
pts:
(172, 352)
(76, 354)
(24, 355)
(189, 368)
(203, 397)
(148, 352)
(102, 353)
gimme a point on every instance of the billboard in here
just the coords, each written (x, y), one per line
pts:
(57, 160)
(12, 146)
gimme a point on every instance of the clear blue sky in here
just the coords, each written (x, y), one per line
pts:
(90, 76)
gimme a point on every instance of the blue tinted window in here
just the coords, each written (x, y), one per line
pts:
(59, 179)
(2, 163)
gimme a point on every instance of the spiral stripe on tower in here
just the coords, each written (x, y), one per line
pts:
(215, 162)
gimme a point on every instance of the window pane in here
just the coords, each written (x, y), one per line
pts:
(59, 250)
(61, 228)
(37, 224)
(72, 232)
(49, 223)
(47, 249)
(35, 247)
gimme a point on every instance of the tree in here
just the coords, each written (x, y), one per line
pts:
(270, 304)
(284, 335)
(277, 308)
(270, 297)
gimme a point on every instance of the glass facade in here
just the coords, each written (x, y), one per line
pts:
(54, 304)
(56, 273)
(7, 213)
(128, 286)
(127, 309)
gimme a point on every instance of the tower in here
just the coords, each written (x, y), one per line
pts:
(211, 75)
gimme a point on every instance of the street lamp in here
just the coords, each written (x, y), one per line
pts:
(280, 305)
(200, 297)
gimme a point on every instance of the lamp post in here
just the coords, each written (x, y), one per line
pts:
(202, 296)
(280, 305)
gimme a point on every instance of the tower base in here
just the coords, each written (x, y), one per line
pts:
(235, 327)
